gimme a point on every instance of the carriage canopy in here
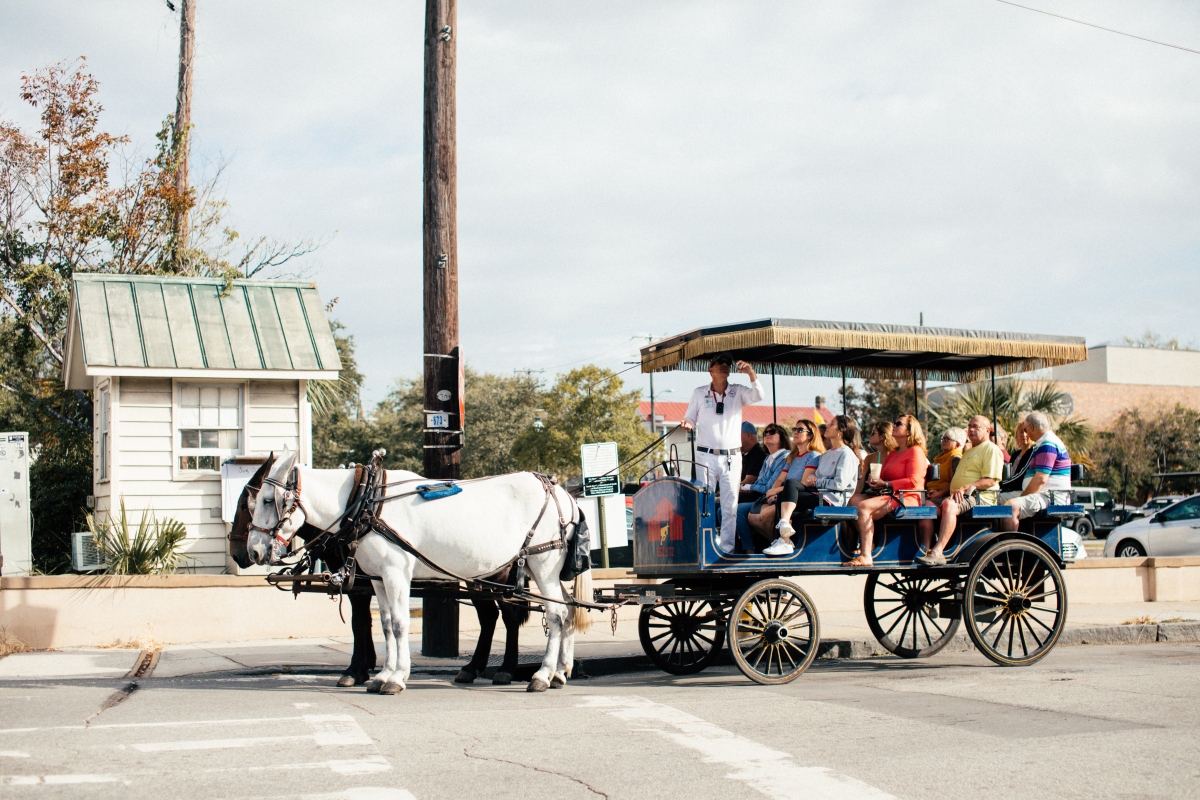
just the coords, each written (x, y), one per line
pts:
(864, 350)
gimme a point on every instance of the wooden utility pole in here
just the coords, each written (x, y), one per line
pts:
(181, 136)
(442, 373)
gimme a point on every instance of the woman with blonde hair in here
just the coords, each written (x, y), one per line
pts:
(900, 480)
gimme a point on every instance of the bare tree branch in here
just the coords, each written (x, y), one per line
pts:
(28, 398)
(33, 328)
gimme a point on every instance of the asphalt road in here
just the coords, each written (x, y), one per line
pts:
(1086, 722)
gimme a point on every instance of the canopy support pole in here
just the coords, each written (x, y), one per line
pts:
(916, 397)
(774, 403)
(845, 410)
(995, 424)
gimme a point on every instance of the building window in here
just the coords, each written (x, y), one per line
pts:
(208, 426)
(104, 413)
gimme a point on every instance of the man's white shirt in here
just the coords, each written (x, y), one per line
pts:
(721, 431)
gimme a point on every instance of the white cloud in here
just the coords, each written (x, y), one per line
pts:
(634, 167)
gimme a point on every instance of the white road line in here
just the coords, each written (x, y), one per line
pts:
(55, 780)
(329, 730)
(13, 754)
(769, 771)
(173, 724)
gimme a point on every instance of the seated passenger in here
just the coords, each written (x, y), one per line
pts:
(900, 483)
(1000, 437)
(882, 444)
(775, 439)
(753, 456)
(1048, 473)
(1020, 462)
(806, 449)
(974, 484)
(953, 441)
(832, 484)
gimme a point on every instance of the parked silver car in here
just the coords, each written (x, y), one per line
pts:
(1173, 531)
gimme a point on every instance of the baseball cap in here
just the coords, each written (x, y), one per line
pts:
(748, 427)
(721, 358)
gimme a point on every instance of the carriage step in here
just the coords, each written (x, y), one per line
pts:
(991, 512)
(1065, 512)
(644, 593)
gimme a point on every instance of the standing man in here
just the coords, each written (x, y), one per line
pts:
(715, 414)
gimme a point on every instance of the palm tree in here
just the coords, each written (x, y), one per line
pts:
(1014, 399)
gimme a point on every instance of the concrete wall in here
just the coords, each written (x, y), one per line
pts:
(77, 611)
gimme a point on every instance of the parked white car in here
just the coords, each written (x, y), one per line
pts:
(1173, 531)
(1072, 546)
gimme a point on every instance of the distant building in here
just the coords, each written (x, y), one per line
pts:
(669, 416)
(1115, 378)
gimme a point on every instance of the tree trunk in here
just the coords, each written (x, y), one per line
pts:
(181, 136)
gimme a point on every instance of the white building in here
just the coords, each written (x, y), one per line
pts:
(187, 373)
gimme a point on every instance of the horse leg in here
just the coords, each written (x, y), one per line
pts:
(513, 619)
(389, 640)
(558, 618)
(485, 609)
(363, 659)
(399, 663)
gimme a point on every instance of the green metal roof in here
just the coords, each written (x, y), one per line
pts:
(143, 325)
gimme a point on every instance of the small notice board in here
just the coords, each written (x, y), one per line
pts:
(600, 469)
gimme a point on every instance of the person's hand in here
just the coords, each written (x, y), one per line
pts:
(958, 495)
(747, 486)
(774, 491)
(687, 424)
(875, 484)
(745, 368)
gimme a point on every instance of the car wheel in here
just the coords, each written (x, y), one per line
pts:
(1130, 549)
(1084, 528)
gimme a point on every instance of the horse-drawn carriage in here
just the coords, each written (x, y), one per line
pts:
(1006, 587)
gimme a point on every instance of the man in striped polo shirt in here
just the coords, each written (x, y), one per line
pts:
(1048, 474)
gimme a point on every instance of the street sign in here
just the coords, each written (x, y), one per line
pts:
(600, 469)
(601, 485)
(437, 419)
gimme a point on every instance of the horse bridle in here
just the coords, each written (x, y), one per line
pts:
(286, 498)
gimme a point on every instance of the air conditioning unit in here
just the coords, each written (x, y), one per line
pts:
(84, 555)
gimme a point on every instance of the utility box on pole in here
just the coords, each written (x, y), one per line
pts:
(16, 545)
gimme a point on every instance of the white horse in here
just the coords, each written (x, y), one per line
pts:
(475, 533)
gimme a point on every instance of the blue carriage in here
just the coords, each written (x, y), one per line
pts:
(1006, 586)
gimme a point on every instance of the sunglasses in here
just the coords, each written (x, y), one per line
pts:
(899, 424)
(802, 429)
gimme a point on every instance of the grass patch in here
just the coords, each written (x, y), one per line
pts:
(11, 644)
(1148, 620)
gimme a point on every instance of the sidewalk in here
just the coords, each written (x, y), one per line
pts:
(599, 650)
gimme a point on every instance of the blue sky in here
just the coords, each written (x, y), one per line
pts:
(633, 168)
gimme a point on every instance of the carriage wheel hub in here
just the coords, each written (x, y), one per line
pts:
(775, 632)
(1018, 603)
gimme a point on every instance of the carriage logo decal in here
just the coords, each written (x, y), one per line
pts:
(665, 525)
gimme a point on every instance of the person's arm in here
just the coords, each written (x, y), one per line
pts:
(754, 392)
(1041, 464)
(1036, 482)
(688, 422)
(777, 487)
(914, 477)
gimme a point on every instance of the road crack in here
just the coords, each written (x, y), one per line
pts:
(582, 783)
(115, 699)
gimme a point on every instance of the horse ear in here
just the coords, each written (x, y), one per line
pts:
(284, 465)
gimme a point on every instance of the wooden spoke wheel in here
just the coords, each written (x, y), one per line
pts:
(774, 632)
(905, 610)
(682, 636)
(1015, 603)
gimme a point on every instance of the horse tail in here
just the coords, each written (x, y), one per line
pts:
(582, 590)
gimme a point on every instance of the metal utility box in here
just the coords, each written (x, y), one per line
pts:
(16, 547)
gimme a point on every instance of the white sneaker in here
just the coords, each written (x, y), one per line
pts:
(785, 527)
(780, 547)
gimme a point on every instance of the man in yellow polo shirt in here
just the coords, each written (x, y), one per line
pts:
(974, 484)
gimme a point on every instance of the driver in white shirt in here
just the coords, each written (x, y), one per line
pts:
(715, 413)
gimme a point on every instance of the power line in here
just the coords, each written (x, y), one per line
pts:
(1099, 27)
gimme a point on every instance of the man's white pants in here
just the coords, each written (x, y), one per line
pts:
(723, 472)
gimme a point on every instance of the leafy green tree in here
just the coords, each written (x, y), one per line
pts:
(881, 399)
(1165, 441)
(584, 405)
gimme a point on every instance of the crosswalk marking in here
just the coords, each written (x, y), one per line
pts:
(769, 771)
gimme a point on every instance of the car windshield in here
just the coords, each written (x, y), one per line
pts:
(1103, 497)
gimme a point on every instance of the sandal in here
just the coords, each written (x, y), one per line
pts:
(858, 561)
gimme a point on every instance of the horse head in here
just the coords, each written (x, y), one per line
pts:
(245, 510)
(276, 513)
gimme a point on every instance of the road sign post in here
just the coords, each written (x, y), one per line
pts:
(600, 479)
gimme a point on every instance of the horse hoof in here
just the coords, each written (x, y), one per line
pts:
(558, 681)
(391, 687)
(465, 675)
(502, 679)
(374, 686)
(346, 680)
(537, 685)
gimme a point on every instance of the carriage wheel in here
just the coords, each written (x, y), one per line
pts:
(775, 632)
(903, 610)
(682, 637)
(1015, 603)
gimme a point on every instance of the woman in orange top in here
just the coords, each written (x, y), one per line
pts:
(904, 469)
